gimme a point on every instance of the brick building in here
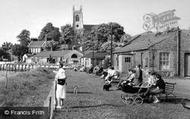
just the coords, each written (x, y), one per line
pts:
(167, 52)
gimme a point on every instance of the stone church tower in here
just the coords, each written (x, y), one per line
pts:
(78, 27)
(77, 20)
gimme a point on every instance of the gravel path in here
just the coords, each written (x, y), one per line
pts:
(91, 102)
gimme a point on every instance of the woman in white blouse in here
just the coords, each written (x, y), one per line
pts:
(60, 82)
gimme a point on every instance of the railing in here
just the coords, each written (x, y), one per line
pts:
(24, 67)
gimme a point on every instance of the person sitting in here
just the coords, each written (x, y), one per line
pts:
(158, 86)
(104, 74)
(111, 73)
(129, 80)
(91, 70)
(99, 72)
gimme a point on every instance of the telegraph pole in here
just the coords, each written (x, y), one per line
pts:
(111, 56)
(93, 51)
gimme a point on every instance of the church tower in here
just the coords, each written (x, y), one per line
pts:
(77, 20)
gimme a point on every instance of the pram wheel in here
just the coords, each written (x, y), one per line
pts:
(138, 100)
(127, 99)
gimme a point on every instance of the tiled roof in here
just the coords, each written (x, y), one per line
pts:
(144, 41)
(36, 44)
(60, 53)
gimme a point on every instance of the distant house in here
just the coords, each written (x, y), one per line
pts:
(167, 52)
(36, 46)
(88, 57)
(66, 56)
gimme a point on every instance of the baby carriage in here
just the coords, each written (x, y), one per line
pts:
(136, 94)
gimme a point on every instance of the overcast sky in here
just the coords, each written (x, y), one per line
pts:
(33, 15)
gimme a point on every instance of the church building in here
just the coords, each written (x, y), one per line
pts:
(79, 27)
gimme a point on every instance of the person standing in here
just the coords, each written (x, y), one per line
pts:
(139, 75)
(60, 83)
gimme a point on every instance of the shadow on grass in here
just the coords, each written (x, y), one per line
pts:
(91, 106)
(173, 100)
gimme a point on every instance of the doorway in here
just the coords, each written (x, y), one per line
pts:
(187, 64)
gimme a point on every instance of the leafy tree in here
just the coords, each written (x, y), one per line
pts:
(52, 45)
(24, 37)
(7, 46)
(49, 32)
(4, 54)
(101, 34)
(126, 38)
(116, 30)
(19, 51)
(67, 34)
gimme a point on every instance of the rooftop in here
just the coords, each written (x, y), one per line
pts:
(145, 41)
(36, 44)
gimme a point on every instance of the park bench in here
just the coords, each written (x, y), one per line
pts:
(169, 90)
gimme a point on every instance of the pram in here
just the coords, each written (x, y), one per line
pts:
(136, 94)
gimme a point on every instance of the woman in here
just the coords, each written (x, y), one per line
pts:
(139, 76)
(60, 83)
(129, 80)
(157, 87)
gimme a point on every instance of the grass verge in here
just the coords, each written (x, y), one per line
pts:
(28, 88)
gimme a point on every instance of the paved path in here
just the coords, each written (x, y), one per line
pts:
(92, 102)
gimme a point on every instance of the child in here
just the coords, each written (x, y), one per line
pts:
(107, 84)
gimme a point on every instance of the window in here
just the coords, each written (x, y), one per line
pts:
(117, 60)
(164, 61)
(77, 17)
(146, 61)
(128, 59)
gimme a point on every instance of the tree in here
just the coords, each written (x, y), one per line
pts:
(52, 45)
(24, 37)
(7, 46)
(116, 30)
(19, 50)
(125, 38)
(67, 34)
(49, 32)
(4, 54)
(101, 34)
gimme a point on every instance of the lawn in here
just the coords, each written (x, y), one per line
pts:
(27, 88)
(92, 102)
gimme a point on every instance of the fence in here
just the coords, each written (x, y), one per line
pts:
(24, 67)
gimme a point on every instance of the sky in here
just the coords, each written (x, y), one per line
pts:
(33, 15)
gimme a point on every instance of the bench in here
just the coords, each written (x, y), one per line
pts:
(169, 90)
